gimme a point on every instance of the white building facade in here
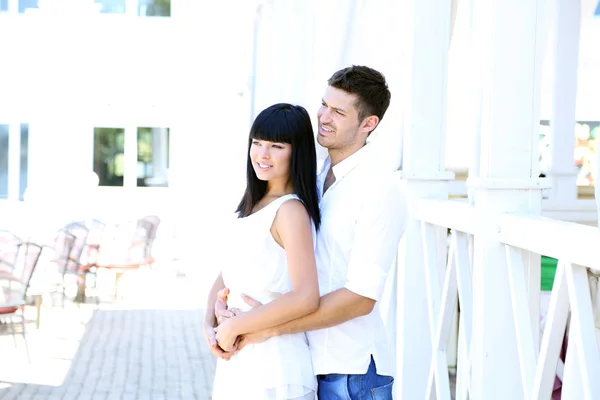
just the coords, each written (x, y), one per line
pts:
(159, 107)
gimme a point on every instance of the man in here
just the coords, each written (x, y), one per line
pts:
(363, 218)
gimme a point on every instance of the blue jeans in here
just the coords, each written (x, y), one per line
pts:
(369, 386)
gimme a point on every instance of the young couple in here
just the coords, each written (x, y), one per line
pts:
(294, 312)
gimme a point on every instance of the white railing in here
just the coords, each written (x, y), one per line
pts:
(448, 280)
(436, 217)
(577, 247)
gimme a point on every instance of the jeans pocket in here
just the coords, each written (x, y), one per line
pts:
(382, 392)
(333, 387)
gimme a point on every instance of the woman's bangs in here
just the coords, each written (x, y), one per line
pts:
(275, 129)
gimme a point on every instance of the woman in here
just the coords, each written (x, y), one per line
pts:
(272, 260)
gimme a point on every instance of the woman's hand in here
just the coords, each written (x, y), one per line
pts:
(226, 314)
(211, 341)
(227, 335)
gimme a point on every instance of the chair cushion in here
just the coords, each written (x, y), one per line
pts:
(8, 310)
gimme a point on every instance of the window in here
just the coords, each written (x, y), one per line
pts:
(597, 12)
(109, 155)
(137, 157)
(24, 162)
(111, 6)
(3, 5)
(152, 156)
(9, 171)
(585, 158)
(4, 161)
(586, 139)
(145, 8)
(26, 4)
(154, 8)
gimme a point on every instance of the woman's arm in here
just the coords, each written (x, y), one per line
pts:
(292, 229)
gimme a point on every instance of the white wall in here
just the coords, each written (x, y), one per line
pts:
(296, 55)
(66, 75)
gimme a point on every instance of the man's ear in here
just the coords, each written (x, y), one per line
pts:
(370, 123)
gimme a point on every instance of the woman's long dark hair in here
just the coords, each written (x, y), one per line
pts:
(285, 123)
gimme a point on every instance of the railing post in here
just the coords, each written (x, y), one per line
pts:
(425, 176)
(509, 42)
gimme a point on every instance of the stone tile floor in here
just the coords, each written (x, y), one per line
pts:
(148, 346)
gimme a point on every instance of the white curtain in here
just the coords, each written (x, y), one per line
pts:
(301, 43)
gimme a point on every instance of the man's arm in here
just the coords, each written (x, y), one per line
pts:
(293, 230)
(379, 229)
(335, 308)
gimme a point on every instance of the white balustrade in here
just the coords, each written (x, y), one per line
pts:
(573, 309)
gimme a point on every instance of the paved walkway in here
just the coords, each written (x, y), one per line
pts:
(148, 347)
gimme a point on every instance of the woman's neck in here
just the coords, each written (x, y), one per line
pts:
(277, 189)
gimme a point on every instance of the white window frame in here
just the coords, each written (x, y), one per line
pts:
(131, 8)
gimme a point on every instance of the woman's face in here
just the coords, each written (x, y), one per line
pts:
(270, 160)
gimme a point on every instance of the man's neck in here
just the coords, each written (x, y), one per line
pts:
(338, 155)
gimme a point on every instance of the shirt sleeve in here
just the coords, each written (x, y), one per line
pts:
(379, 228)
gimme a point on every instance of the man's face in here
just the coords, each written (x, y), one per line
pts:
(338, 121)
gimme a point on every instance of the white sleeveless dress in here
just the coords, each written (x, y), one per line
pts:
(280, 367)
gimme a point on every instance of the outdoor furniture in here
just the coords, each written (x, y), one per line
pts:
(129, 248)
(9, 249)
(14, 285)
(62, 247)
(74, 266)
(87, 263)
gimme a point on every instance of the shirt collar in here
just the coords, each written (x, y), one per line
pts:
(349, 163)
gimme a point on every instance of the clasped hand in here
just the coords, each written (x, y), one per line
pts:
(227, 336)
(226, 332)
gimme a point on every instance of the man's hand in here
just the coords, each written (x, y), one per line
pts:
(211, 340)
(225, 336)
(252, 338)
(250, 301)
(221, 311)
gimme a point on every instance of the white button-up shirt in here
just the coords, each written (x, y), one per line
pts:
(363, 219)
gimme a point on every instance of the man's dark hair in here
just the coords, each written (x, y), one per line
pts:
(369, 86)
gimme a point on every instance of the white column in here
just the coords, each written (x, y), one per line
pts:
(13, 6)
(472, 84)
(130, 155)
(474, 87)
(509, 36)
(597, 193)
(131, 8)
(425, 176)
(562, 171)
(14, 160)
(160, 147)
(565, 59)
